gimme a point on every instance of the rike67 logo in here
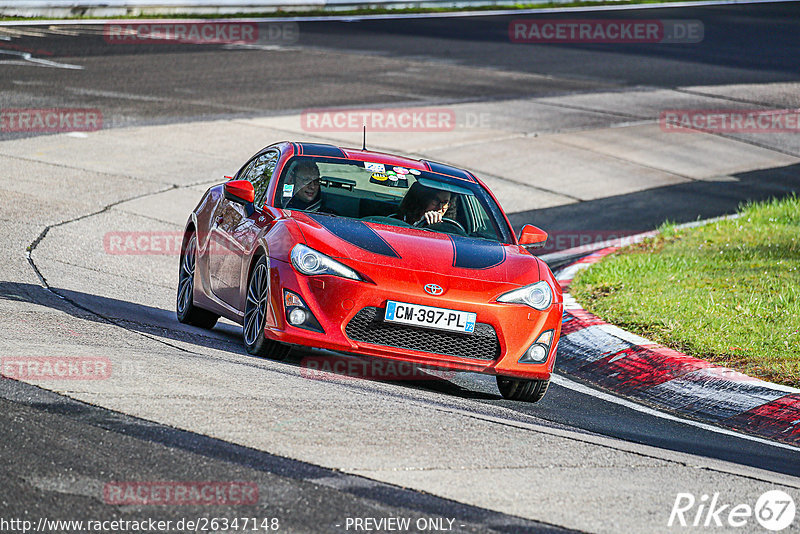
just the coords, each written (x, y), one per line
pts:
(774, 510)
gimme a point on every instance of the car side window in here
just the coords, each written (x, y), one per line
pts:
(259, 173)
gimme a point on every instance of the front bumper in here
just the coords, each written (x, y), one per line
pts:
(351, 312)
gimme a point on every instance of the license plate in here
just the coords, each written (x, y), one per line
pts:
(430, 317)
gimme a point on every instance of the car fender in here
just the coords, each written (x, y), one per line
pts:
(276, 237)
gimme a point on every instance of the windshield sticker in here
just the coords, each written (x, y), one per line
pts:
(400, 170)
(288, 189)
(389, 179)
(374, 167)
(415, 172)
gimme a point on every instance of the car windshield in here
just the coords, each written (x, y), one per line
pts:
(390, 195)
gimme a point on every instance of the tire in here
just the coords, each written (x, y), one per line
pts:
(255, 315)
(187, 312)
(522, 390)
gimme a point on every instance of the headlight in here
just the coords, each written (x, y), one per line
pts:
(538, 296)
(310, 262)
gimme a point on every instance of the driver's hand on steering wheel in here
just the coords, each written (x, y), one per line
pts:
(432, 217)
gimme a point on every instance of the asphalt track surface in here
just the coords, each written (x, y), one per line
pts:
(464, 60)
(423, 62)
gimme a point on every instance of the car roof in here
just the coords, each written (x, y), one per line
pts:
(355, 154)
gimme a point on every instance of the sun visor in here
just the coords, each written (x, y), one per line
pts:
(444, 186)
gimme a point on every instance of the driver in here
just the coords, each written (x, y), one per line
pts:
(304, 177)
(423, 203)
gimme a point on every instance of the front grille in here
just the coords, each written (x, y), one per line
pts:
(368, 326)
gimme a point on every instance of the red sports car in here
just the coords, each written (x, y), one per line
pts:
(375, 255)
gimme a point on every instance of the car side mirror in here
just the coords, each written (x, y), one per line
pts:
(532, 237)
(241, 192)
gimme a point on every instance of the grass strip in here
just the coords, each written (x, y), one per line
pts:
(727, 292)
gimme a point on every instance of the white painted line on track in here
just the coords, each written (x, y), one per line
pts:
(388, 16)
(29, 59)
(580, 388)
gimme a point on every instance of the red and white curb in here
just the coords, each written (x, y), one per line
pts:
(633, 367)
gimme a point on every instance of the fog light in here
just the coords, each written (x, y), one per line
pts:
(297, 316)
(537, 353)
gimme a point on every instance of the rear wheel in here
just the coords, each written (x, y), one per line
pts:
(522, 390)
(187, 312)
(255, 315)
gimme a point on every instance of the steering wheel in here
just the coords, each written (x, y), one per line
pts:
(445, 222)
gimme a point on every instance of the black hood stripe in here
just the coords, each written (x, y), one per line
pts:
(316, 149)
(448, 170)
(356, 233)
(469, 253)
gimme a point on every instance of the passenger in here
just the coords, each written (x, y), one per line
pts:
(304, 178)
(423, 203)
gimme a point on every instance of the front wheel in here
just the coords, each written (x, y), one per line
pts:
(255, 315)
(187, 312)
(522, 390)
